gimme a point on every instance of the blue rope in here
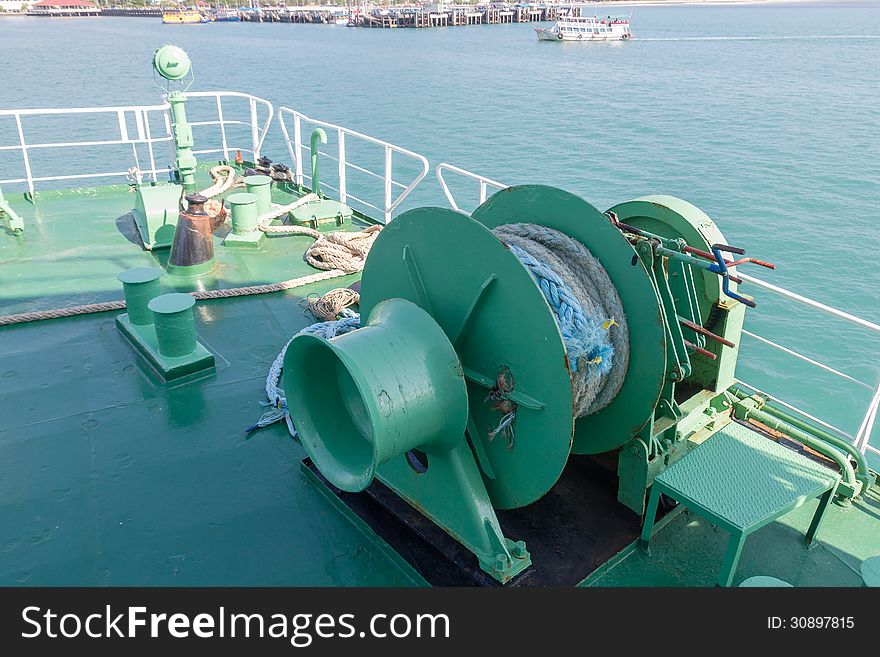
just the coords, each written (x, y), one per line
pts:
(277, 404)
(586, 338)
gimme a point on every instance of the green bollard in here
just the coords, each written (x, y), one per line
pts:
(140, 286)
(243, 208)
(261, 186)
(175, 326)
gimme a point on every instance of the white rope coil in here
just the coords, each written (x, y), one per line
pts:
(224, 177)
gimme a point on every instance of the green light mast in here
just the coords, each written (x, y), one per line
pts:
(173, 64)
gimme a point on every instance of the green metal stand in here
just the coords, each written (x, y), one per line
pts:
(741, 482)
(157, 206)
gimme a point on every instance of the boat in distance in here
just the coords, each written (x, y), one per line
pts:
(587, 28)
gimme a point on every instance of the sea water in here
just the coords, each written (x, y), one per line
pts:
(765, 116)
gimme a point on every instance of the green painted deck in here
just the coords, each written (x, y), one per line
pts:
(110, 477)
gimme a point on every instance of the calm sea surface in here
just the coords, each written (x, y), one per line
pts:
(766, 117)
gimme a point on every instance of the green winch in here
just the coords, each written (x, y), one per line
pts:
(458, 342)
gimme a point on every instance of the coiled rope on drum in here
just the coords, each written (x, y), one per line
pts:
(583, 299)
(586, 305)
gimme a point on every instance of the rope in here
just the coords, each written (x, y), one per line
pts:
(224, 177)
(586, 305)
(277, 403)
(202, 295)
(582, 297)
(345, 251)
(333, 303)
(337, 254)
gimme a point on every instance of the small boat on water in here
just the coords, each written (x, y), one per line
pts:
(183, 17)
(226, 16)
(587, 28)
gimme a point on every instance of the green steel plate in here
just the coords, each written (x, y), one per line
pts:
(743, 478)
(494, 315)
(615, 424)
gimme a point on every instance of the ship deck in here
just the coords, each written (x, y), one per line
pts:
(111, 477)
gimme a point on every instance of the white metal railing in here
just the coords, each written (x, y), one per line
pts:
(141, 135)
(298, 151)
(258, 128)
(861, 438)
(483, 182)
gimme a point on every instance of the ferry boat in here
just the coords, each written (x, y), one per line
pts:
(226, 16)
(587, 28)
(183, 17)
(217, 368)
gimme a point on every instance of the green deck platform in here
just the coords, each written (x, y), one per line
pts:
(111, 477)
(742, 481)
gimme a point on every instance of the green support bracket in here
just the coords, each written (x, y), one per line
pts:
(16, 224)
(155, 214)
(161, 327)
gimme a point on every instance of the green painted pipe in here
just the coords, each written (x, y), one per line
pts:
(140, 286)
(862, 470)
(849, 476)
(183, 141)
(244, 210)
(15, 222)
(261, 187)
(318, 137)
(175, 326)
(361, 399)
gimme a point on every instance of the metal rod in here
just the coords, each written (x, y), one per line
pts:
(696, 328)
(700, 350)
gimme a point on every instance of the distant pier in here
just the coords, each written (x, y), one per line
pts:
(415, 16)
(408, 16)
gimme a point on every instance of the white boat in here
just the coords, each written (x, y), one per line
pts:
(587, 28)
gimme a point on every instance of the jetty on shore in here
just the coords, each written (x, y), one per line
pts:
(414, 15)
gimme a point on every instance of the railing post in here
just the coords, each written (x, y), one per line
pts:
(482, 191)
(340, 136)
(297, 147)
(255, 139)
(148, 134)
(388, 172)
(863, 436)
(222, 128)
(24, 154)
